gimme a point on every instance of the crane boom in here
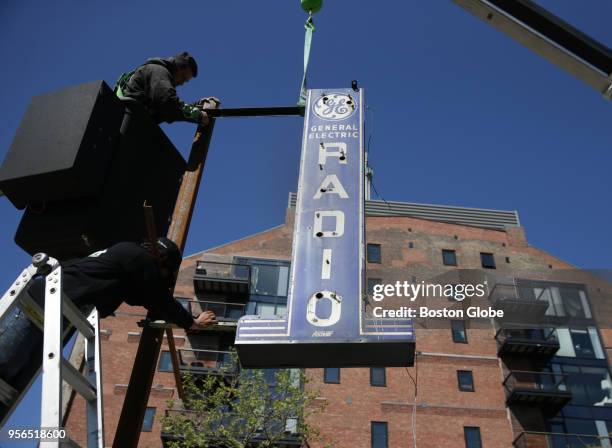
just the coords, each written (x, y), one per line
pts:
(550, 37)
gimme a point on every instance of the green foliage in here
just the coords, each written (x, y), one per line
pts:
(240, 409)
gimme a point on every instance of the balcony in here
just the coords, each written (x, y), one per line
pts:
(207, 362)
(227, 313)
(516, 307)
(291, 439)
(560, 440)
(223, 278)
(532, 342)
(546, 390)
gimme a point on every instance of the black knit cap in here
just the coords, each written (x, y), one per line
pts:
(170, 250)
(184, 59)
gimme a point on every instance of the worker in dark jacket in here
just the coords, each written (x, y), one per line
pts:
(126, 272)
(154, 84)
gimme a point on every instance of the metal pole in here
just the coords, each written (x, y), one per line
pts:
(143, 371)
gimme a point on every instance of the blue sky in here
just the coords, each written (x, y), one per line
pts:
(459, 113)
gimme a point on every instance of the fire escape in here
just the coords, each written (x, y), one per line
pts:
(526, 342)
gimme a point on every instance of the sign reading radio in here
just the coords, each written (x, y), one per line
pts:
(327, 264)
(326, 323)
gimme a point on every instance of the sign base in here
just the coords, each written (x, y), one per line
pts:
(286, 354)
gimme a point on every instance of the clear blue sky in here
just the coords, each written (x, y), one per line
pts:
(461, 115)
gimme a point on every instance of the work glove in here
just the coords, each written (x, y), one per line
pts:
(209, 102)
(215, 99)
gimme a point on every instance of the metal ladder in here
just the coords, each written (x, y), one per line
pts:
(56, 368)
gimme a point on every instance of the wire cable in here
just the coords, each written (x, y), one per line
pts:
(414, 380)
(379, 195)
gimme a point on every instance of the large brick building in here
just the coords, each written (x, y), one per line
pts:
(472, 385)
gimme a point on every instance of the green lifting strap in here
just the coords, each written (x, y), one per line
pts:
(310, 28)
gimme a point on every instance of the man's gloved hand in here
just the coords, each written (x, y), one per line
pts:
(210, 102)
(215, 99)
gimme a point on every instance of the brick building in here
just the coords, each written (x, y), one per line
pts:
(473, 384)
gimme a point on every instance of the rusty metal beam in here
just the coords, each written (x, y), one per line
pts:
(175, 364)
(143, 371)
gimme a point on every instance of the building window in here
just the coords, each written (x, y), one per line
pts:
(466, 380)
(373, 282)
(576, 343)
(331, 375)
(449, 257)
(378, 376)
(411, 245)
(165, 362)
(380, 437)
(472, 437)
(374, 253)
(487, 260)
(589, 385)
(458, 331)
(563, 299)
(147, 424)
(268, 277)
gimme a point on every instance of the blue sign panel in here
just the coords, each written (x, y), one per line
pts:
(325, 323)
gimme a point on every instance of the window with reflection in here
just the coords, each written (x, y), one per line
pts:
(378, 376)
(165, 362)
(379, 435)
(472, 437)
(590, 386)
(269, 280)
(331, 375)
(579, 343)
(579, 433)
(564, 300)
(458, 331)
(149, 417)
(268, 277)
(374, 253)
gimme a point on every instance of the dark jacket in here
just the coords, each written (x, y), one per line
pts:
(123, 272)
(154, 86)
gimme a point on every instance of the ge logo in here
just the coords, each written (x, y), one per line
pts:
(334, 106)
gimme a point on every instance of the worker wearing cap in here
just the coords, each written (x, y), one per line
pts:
(126, 272)
(154, 83)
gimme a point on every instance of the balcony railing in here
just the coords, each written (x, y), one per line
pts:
(207, 362)
(218, 277)
(291, 438)
(560, 440)
(518, 308)
(534, 342)
(543, 389)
